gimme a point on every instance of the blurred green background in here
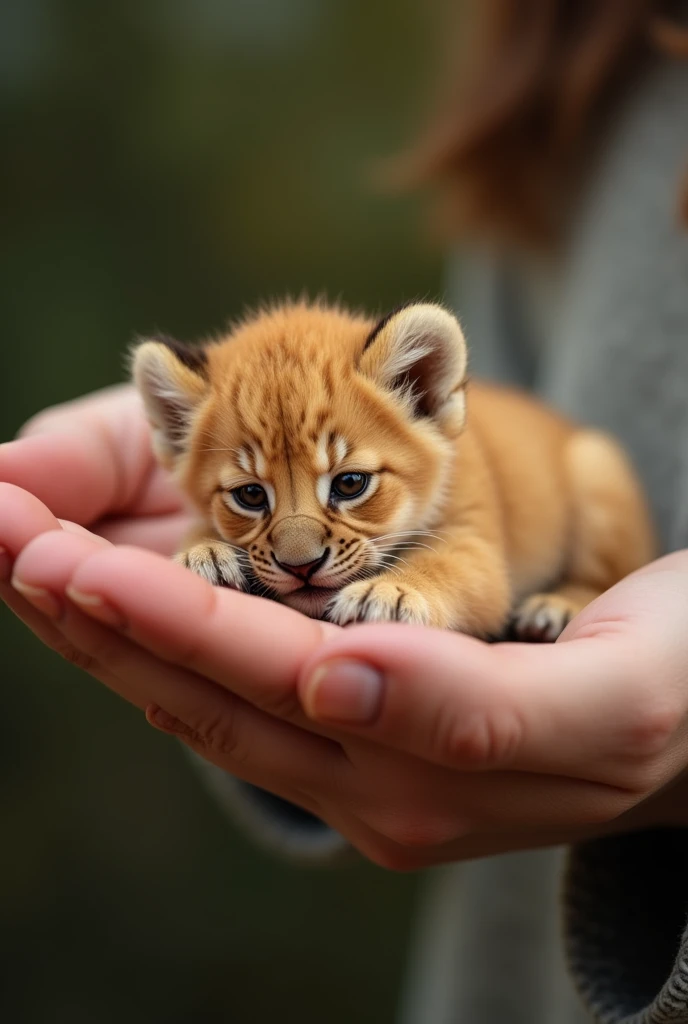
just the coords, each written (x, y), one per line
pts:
(165, 162)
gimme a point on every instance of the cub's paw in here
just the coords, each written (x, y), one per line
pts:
(216, 562)
(542, 617)
(380, 600)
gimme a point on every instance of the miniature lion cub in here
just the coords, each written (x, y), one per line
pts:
(349, 470)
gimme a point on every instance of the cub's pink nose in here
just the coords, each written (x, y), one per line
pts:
(306, 569)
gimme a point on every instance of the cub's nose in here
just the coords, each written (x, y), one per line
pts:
(305, 570)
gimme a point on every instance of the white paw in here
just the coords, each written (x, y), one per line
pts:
(216, 562)
(379, 600)
(542, 617)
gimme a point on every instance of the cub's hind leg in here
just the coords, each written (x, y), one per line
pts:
(540, 618)
(610, 535)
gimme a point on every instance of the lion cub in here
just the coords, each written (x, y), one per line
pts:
(350, 470)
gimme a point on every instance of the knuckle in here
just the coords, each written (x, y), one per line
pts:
(104, 649)
(220, 736)
(653, 723)
(480, 739)
(646, 737)
(656, 728)
(74, 656)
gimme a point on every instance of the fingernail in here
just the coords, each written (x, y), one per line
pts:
(5, 565)
(344, 691)
(96, 607)
(39, 597)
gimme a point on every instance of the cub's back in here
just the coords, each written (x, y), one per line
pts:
(523, 442)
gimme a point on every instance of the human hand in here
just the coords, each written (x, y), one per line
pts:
(466, 749)
(90, 461)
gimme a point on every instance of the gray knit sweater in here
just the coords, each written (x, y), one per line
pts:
(602, 334)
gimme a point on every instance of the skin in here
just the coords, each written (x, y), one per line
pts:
(464, 749)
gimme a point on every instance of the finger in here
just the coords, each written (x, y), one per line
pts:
(22, 517)
(54, 468)
(163, 534)
(251, 646)
(40, 626)
(81, 531)
(45, 564)
(90, 458)
(570, 707)
(215, 723)
(398, 857)
(416, 803)
(526, 802)
(57, 417)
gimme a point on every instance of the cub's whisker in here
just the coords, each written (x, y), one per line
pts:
(413, 533)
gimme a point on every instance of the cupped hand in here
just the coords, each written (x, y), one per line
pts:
(90, 461)
(420, 746)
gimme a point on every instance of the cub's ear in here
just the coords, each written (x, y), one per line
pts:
(419, 351)
(172, 380)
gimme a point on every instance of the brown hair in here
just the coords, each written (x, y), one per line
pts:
(511, 135)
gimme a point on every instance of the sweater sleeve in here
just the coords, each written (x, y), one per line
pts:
(625, 901)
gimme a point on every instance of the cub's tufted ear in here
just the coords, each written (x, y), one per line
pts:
(172, 380)
(419, 351)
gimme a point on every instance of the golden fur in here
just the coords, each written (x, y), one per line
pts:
(480, 505)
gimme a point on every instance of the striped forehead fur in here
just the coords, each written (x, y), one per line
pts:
(330, 450)
(251, 459)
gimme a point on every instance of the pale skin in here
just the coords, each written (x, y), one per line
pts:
(464, 749)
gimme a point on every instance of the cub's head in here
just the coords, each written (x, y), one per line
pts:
(311, 438)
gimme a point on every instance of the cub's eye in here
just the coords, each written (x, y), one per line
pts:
(251, 496)
(349, 485)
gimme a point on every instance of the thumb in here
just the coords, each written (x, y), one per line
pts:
(581, 706)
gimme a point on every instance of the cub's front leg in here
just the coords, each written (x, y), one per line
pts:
(218, 562)
(462, 585)
(387, 598)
